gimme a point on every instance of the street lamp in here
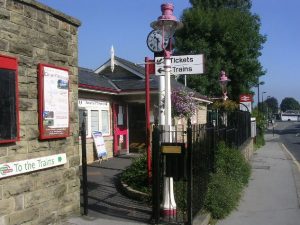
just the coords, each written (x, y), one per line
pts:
(167, 24)
(223, 83)
(262, 101)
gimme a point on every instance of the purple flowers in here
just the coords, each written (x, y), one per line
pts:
(183, 103)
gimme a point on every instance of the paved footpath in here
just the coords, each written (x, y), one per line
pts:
(106, 205)
(272, 196)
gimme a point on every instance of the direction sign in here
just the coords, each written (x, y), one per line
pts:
(182, 64)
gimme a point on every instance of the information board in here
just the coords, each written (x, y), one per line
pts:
(53, 102)
(99, 144)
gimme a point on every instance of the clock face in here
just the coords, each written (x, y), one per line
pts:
(155, 41)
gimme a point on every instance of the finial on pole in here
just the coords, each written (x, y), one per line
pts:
(112, 59)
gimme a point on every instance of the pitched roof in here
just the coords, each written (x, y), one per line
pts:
(127, 77)
(88, 79)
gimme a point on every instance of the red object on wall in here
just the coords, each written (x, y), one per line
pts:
(246, 98)
(149, 69)
(11, 63)
(120, 129)
(48, 131)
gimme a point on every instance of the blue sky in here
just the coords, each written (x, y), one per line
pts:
(126, 24)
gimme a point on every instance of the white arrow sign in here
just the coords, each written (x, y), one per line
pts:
(182, 64)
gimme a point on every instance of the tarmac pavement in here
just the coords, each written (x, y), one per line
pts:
(106, 204)
(272, 195)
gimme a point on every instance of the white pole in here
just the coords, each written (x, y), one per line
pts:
(168, 108)
(168, 203)
(161, 99)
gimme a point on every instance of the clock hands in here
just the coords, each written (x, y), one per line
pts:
(157, 41)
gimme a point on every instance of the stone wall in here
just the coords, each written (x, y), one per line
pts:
(34, 33)
(247, 149)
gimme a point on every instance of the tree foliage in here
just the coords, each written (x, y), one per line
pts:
(216, 4)
(228, 35)
(289, 104)
(272, 105)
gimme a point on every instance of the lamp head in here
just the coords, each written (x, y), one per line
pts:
(167, 22)
(223, 79)
(223, 83)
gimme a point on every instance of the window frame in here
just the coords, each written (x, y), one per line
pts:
(11, 63)
(98, 108)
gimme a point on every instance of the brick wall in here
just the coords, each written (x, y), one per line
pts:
(34, 33)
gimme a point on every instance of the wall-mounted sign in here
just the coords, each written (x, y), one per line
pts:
(53, 102)
(246, 102)
(29, 165)
(92, 102)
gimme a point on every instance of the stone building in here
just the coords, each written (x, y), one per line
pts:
(42, 190)
(114, 102)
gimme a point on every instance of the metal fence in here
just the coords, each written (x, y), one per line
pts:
(187, 154)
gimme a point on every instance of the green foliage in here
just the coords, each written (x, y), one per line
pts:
(260, 120)
(228, 36)
(232, 163)
(206, 4)
(222, 196)
(226, 184)
(289, 104)
(136, 175)
(272, 104)
(259, 140)
(227, 105)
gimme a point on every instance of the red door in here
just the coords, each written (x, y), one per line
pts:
(120, 129)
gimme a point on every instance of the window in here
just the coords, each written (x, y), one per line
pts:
(105, 122)
(98, 116)
(95, 120)
(9, 114)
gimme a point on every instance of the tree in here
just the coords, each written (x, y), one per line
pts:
(227, 33)
(272, 105)
(289, 104)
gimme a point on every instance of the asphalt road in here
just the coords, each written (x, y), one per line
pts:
(290, 136)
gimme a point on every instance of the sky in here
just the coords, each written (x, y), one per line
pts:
(126, 24)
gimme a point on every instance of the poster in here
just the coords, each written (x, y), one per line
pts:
(54, 102)
(99, 144)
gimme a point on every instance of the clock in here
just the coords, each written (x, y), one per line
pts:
(155, 41)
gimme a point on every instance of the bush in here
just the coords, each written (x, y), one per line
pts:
(260, 140)
(222, 196)
(226, 184)
(232, 163)
(136, 175)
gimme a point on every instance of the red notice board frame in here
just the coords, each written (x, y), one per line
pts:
(11, 63)
(46, 131)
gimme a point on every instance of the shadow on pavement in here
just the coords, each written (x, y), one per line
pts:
(104, 198)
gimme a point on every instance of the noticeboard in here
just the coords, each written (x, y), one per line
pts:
(53, 102)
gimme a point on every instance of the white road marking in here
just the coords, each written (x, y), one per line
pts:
(292, 156)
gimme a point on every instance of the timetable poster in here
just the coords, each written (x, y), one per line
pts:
(54, 111)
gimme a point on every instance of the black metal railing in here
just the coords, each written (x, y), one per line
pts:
(191, 166)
